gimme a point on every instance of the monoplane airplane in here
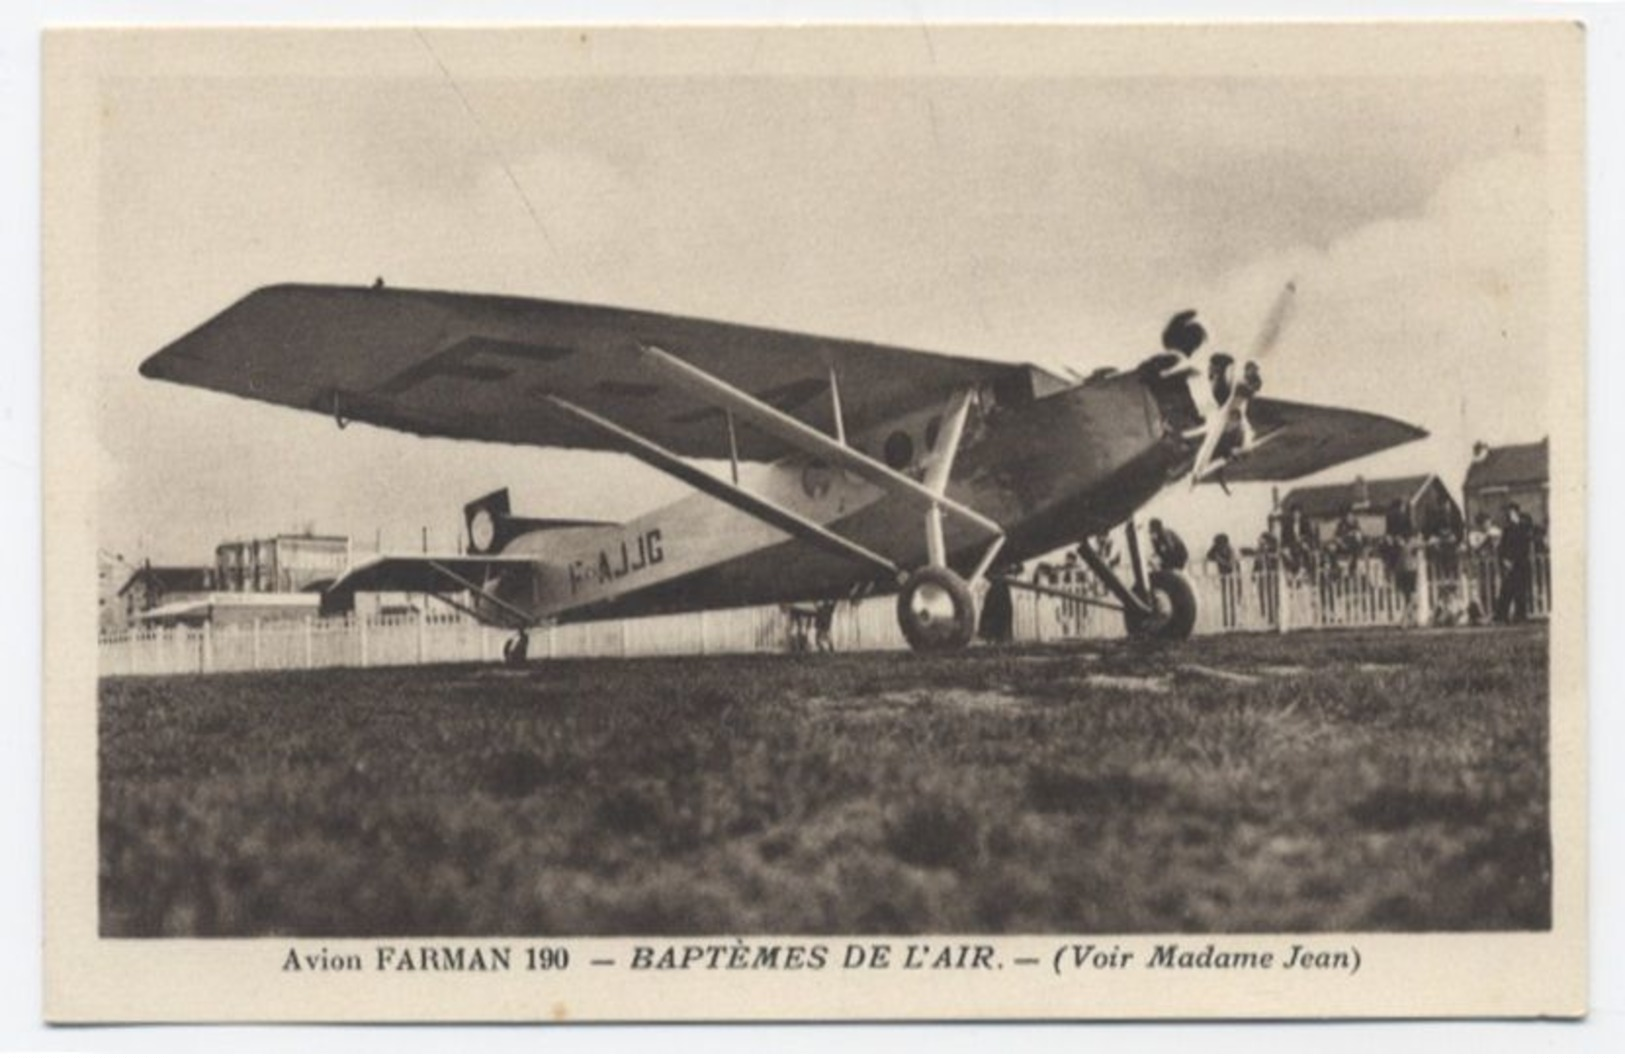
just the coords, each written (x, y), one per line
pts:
(850, 467)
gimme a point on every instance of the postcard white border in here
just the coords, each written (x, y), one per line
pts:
(1605, 326)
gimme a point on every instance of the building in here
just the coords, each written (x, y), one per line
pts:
(112, 571)
(1509, 474)
(1431, 507)
(150, 587)
(286, 563)
(222, 609)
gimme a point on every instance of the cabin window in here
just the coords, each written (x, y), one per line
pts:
(899, 450)
(816, 479)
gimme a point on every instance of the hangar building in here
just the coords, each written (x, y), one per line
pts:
(1509, 474)
(150, 587)
(285, 563)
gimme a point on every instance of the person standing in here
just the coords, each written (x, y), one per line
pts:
(1401, 557)
(1266, 568)
(1168, 547)
(1293, 530)
(1483, 540)
(824, 626)
(1516, 554)
(1222, 555)
(999, 608)
(1224, 560)
(1350, 540)
(1068, 609)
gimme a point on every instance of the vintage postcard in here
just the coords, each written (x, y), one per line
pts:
(889, 522)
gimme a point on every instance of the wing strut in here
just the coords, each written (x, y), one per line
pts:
(835, 405)
(773, 514)
(931, 495)
(525, 619)
(936, 475)
(733, 448)
(798, 434)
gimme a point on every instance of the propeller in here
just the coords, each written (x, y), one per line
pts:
(1280, 312)
(1264, 342)
(1183, 334)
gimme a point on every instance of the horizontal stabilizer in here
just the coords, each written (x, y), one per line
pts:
(421, 574)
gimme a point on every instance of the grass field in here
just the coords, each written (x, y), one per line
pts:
(1359, 781)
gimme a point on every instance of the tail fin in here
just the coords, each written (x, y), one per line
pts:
(492, 525)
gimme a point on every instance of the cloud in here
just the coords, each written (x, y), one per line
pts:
(1437, 319)
(1053, 220)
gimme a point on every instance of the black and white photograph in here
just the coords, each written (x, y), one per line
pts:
(866, 522)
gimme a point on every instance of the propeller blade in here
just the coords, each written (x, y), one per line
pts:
(1275, 322)
(1233, 412)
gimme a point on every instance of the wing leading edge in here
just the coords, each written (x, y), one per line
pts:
(445, 576)
(481, 367)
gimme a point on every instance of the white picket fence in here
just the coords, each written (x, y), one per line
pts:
(426, 638)
(1250, 601)
(1455, 591)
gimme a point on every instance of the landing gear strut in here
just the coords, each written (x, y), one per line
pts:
(1161, 606)
(516, 648)
(1172, 609)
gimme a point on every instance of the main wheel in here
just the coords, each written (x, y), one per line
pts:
(515, 649)
(1173, 603)
(936, 610)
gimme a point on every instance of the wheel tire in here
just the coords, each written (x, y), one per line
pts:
(936, 610)
(1175, 603)
(515, 649)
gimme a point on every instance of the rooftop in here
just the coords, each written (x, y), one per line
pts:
(206, 605)
(1509, 465)
(172, 579)
(1330, 501)
(338, 540)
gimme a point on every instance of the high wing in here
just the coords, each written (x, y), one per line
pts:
(1292, 440)
(482, 367)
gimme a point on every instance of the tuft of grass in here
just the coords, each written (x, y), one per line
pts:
(934, 828)
(1058, 788)
(1381, 781)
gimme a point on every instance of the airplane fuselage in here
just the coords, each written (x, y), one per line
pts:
(1049, 470)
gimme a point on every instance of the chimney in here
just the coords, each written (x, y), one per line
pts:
(1481, 451)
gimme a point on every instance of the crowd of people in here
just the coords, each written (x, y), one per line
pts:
(1486, 573)
(811, 626)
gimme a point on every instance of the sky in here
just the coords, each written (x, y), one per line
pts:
(1045, 218)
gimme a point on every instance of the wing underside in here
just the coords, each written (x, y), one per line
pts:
(481, 367)
(1294, 440)
(425, 574)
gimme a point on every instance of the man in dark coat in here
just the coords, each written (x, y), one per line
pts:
(1224, 560)
(1168, 547)
(1516, 553)
(998, 619)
